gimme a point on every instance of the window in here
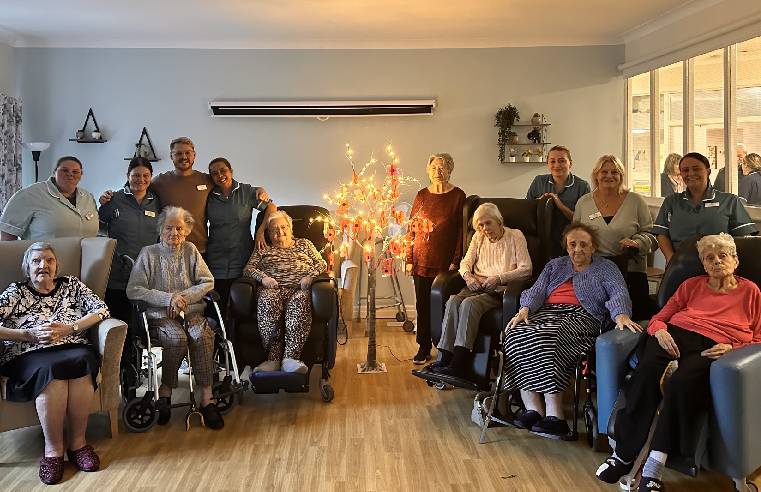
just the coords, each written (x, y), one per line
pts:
(724, 101)
(639, 122)
(671, 117)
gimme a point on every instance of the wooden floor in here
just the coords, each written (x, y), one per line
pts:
(383, 432)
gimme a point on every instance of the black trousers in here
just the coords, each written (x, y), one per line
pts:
(118, 304)
(686, 396)
(643, 307)
(222, 286)
(423, 308)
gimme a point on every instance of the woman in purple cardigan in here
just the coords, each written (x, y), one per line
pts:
(559, 319)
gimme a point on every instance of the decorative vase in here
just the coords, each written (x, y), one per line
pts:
(526, 158)
(96, 135)
(511, 158)
(536, 119)
(80, 134)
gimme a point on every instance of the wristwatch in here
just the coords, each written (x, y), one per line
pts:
(75, 327)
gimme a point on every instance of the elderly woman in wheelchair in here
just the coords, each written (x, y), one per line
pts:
(171, 278)
(707, 316)
(285, 270)
(496, 255)
(559, 319)
(48, 357)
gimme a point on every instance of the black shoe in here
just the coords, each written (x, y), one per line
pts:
(527, 419)
(211, 417)
(650, 484)
(434, 366)
(423, 355)
(552, 427)
(164, 406)
(612, 469)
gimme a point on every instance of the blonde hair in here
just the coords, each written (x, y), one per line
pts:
(181, 140)
(753, 161)
(604, 159)
(445, 158)
(721, 242)
(671, 163)
(487, 209)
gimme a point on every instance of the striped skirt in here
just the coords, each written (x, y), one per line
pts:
(540, 354)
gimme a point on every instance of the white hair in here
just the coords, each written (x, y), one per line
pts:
(173, 211)
(718, 242)
(38, 246)
(487, 209)
(279, 214)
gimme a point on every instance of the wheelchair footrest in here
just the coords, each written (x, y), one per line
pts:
(433, 378)
(275, 381)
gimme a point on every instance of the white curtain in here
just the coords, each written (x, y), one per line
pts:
(10, 147)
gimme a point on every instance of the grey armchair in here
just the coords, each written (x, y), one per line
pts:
(729, 442)
(90, 260)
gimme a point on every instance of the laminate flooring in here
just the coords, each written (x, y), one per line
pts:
(383, 432)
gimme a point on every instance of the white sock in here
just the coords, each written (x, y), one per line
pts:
(654, 465)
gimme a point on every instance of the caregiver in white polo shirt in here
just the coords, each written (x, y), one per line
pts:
(53, 208)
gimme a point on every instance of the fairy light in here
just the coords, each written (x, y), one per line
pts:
(366, 211)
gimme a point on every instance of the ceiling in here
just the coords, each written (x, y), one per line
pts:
(351, 24)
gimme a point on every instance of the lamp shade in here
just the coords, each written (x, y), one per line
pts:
(35, 146)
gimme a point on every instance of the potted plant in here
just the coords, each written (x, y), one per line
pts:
(504, 120)
(511, 155)
(526, 155)
(536, 155)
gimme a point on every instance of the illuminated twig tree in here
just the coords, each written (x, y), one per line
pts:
(367, 213)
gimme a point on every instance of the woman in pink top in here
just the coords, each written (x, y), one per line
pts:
(708, 316)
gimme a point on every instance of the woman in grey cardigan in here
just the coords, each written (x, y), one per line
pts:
(559, 319)
(172, 278)
(622, 222)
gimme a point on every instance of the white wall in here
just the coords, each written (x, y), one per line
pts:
(7, 73)
(578, 88)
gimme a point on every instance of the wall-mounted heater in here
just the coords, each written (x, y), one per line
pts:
(321, 110)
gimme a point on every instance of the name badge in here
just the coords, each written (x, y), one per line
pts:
(150, 213)
(712, 204)
(595, 215)
(89, 216)
(201, 187)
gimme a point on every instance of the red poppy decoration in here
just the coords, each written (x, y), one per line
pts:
(387, 267)
(395, 247)
(329, 233)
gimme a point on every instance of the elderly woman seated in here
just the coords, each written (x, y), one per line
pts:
(707, 316)
(285, 270)
(559, 319)
(48, 357)
(496, 255)
(172, 278)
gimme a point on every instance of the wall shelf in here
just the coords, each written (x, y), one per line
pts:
(83, 131)
(528, 144)
(529, 125)
(144, 149)
(88, 140)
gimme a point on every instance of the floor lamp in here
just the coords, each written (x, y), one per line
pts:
(36, 148)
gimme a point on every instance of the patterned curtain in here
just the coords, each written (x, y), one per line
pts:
(10, 147)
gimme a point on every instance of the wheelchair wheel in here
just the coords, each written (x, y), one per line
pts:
(590, 423)
(140, 414)
(408, 326)
(327, 393)
(225, 403)
(401, 316)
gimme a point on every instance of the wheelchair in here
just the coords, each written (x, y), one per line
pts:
(140, 366)
(321, 344)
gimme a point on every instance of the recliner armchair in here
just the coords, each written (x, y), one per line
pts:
(534, 219)
(730, 441)
(319, 348)
(89, 259)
